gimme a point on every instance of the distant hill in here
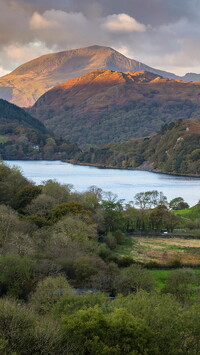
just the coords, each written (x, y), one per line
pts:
(29, 81)
(24, 137)
(175, 150)
(104, 106)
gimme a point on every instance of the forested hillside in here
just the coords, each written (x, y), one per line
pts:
(174, 149)
(104, 106)
(24, 137)
(72, 282)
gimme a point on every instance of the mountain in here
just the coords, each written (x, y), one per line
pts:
(24, 137)
(29, 81)
(104, 106)
(175, 149)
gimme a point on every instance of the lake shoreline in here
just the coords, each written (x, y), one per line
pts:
(125, 183)
(140, 168)
(144, 167)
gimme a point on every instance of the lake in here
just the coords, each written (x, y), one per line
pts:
(124, 183)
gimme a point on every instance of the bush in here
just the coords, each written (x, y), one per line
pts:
(48, 292)
(22, 332)
(16, 275)
(135, 278)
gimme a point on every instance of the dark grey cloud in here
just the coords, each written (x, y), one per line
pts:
(155, 12)
(160, 33)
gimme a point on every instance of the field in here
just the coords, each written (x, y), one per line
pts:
(160, 277)
(163, 251)
(189, 213)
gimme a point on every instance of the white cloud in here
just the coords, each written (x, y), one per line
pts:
(52, 19)
(123, 23)
(30, 28)
(16, 54)
(3, 71)
(39, 22)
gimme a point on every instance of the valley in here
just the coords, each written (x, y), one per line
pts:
(99, 177)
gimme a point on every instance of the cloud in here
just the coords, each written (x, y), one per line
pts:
(52, 19)
(15, 54)
(123, 23)
(3, 71)
(25, 53)
(160, 33)
(38, 22)
(61, 30)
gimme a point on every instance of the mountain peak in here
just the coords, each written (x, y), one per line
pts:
(29, 81)
(108, 106)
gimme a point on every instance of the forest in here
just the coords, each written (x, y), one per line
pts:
(67, 284)
(173, 150)
(24, 137)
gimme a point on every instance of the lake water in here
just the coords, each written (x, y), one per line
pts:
(124, 183)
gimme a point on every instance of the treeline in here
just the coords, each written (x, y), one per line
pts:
(65, 290)
(31, 145)
(24, 137)
(143, 323)
(174, 149)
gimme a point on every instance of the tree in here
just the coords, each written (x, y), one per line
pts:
(71, 207)
(191, 318)
(41, 206)
(92, 332)
(25, 195)
(11, 181)
(178, 203)
(23, 331)
(130, 216)
(16, 275)
(90, 199)
(48, 292)
(8, 223)
(181, 283)
(16, 327)
(74, 228)
(110, 241)
(61, 193)
(69, 304)
(160, 218)
(149, 199)
(162, 314)
(135, 278)
(106, 279)
(84, 270)
(113, 215)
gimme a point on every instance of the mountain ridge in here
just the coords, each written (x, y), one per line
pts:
(24, 85)
(106, 106)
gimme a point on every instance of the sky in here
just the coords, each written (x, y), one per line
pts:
(163, 34)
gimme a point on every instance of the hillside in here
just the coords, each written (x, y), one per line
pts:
(24, 137)
(28, 82)
(104, 106)
(175, 150)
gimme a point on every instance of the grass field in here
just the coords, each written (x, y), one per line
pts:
(189, 213)
(160, 277)
(162, 250)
